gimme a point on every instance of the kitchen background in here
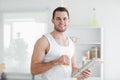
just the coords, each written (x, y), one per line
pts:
(22, 22)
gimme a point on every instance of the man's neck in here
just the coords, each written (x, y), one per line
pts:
(60, 38)
(58, 35)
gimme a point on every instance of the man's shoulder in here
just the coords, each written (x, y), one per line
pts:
(42, 39)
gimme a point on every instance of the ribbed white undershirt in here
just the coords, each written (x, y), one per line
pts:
(58, 72)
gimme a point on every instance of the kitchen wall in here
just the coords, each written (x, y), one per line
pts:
(108, 17)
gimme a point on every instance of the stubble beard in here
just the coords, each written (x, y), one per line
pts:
(60, 30)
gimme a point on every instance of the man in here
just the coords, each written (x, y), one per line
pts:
(53, 55)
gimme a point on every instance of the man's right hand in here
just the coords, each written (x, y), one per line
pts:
(63, 60)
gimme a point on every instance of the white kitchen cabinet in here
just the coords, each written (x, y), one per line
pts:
(87, 38)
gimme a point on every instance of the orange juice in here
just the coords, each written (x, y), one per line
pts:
(64, 64)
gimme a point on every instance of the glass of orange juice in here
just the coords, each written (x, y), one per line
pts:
(64, 64)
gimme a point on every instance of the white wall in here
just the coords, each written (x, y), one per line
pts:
(111, 24)
(108, 17)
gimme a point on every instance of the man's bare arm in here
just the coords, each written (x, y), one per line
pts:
(37, 64)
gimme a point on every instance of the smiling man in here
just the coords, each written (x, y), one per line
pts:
(53, 55)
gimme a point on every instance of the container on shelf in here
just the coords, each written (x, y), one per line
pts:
(87, 55)
(94, 52)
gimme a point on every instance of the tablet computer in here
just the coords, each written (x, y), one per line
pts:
(88, 65)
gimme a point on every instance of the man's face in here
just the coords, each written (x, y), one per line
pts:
(60, 21)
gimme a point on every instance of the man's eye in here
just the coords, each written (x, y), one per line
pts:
(58, 18)
(64, 18)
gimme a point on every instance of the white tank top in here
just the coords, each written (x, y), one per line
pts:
(58, 72)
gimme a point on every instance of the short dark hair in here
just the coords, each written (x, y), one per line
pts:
(60, 9)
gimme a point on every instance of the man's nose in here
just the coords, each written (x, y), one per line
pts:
(62, 21)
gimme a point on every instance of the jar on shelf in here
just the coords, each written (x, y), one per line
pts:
(94, 52)
(87, 55)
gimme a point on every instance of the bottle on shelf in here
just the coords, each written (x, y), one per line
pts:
(94, 21)
(83, 60)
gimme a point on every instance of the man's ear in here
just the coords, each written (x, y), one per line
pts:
(52, 20)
